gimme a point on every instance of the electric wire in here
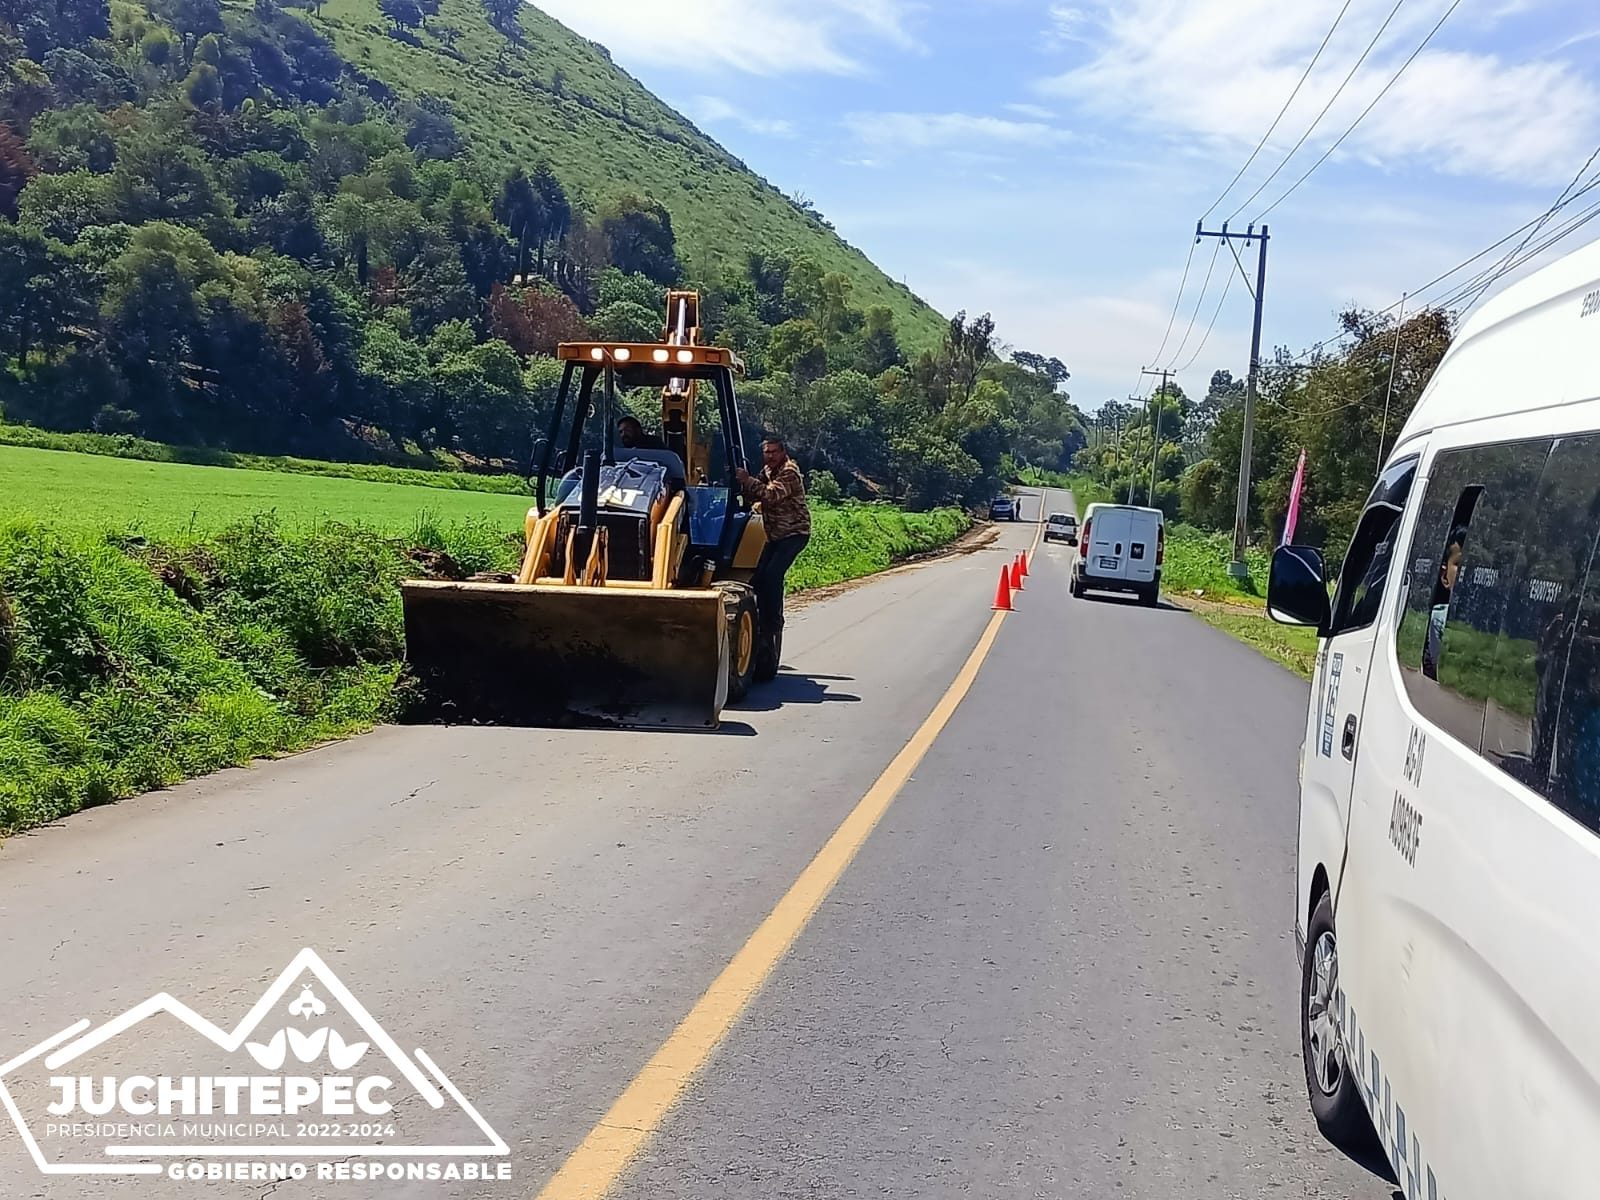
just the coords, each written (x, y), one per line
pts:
(1339, 91)
(1395, 78)
(1282, 112)
(1199, 300)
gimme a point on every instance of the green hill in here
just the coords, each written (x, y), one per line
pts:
(358, 230)
(558, 96)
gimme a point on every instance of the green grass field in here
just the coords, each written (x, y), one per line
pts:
(83, 491)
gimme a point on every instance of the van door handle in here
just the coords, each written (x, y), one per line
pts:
(1349, 743)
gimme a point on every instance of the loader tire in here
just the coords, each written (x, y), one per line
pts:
(743, 639)
(769, 654)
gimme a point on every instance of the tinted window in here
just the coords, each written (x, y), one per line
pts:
(1465, 553)
(1531, 657)
(1366, 563)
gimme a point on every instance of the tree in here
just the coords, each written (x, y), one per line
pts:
(618, 286)
(555, 217)
(880, 349)
(63, 206)
(193, 18)
(626, 321)
(798, 348)
(639, 235)
(520, 209)
(159, 180)
(16, 168)
(1052, 369)
(42, 291)
(533, 320)
(402, 13)
(503, 15)
(72, 139)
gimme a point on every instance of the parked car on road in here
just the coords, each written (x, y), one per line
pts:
(1002, 508)
(1120, 550)
(1061, 527)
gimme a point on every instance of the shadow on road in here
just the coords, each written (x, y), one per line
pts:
(1121, 600)
(794, 687)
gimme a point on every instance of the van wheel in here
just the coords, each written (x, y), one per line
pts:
(1149, 596)
(743, 639)
(1335, 1095)
(1076, 588)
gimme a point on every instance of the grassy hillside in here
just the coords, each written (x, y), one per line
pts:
(559, 96)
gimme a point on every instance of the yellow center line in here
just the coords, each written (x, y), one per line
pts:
(605, 1153)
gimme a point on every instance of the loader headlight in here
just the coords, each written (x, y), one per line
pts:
(622, 354)
(597, 354)
(661, 355)
(686, 356)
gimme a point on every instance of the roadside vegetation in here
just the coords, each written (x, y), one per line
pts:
(1334, 402)
(131, 660)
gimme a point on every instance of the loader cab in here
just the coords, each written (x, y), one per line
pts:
(698, 464)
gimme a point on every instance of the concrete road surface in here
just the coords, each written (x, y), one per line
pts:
(1060, 965)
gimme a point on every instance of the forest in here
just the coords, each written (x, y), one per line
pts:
(218, 232)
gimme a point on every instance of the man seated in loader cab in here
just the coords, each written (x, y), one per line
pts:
(633, 437)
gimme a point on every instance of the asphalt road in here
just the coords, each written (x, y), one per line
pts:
(1061, 965)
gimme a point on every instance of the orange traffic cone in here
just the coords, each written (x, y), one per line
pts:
(1002, 594)
(1016, 576)
(1023, 559)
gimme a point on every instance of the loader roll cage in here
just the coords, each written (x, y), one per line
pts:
(632, 366)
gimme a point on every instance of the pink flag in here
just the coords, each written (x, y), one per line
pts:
(1294, 499)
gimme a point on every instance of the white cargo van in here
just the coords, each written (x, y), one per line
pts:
(1120, 549)
(1449, 847)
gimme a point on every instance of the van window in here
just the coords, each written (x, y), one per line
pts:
(1366, 563)
(1542, 600)
(1470, 538)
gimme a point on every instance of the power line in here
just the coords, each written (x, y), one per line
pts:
(1217, 312)
(1331, 99)
(1199, 300)
(1566, 229)
(1177, 300)
(1561, 201)
(1455, 4)
(1571, 226)
(1466, 262)
(1281, 112)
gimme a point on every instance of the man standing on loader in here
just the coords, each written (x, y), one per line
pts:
(787, 520)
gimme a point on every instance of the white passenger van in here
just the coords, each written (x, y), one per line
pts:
(1120, 549)
(1449, 848)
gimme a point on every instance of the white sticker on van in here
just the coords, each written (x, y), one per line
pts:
(1327, 712)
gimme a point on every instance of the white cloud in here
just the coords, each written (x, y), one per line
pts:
(1219, 70)
(925, 130)
(760, 37)
(1036, 111)
(714, 110)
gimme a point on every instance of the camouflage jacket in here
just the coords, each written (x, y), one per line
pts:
(783, 500)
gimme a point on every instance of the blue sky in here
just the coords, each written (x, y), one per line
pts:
(1047, 162)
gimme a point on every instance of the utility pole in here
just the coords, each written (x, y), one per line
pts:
(1237, 568)
(1155, 426)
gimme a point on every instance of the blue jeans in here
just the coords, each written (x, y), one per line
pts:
(776, 559)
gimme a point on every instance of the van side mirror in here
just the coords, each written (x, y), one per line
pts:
(1297, 588)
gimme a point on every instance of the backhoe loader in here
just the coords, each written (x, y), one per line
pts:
(632, 606)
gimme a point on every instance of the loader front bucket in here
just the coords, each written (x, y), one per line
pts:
(554, 655)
